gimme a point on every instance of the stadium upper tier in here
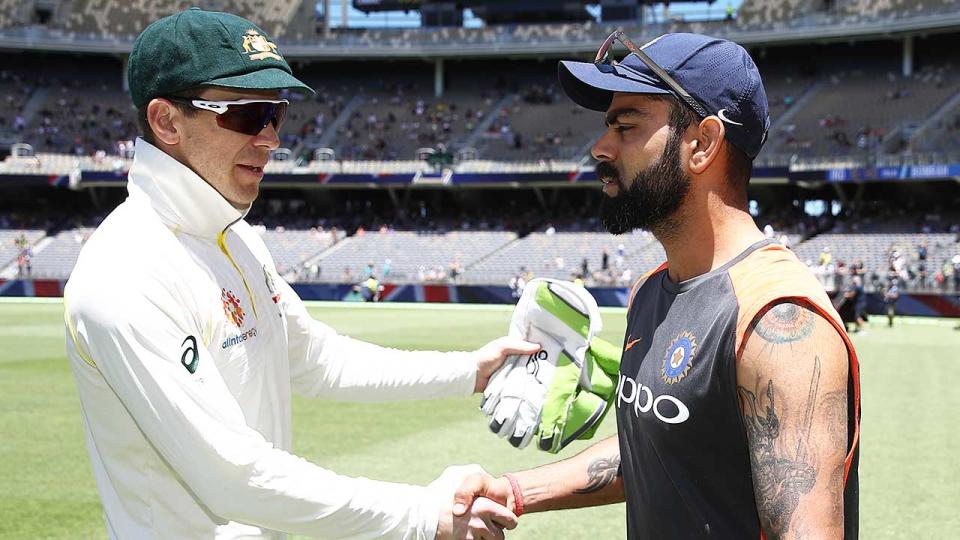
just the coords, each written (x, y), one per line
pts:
(98, 25)
(825, 101)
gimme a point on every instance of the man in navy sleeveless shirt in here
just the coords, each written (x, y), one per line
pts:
(738, 402)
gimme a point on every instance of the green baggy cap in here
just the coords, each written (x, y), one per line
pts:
(205, 48)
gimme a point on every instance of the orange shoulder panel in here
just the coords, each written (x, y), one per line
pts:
(640, 281)
(773, 273)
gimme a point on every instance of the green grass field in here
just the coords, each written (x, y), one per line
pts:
(909, 472)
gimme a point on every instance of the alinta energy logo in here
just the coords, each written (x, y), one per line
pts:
(231, 308)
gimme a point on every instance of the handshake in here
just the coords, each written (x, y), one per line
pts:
(556, 395)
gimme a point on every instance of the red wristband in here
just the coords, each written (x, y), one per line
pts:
(517, 495)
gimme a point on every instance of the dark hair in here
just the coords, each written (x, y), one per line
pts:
(146, 132)
(739, 165)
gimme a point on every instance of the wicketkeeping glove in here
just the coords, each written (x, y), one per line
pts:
(562, 392)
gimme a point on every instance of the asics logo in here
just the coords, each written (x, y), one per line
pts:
(722, 113)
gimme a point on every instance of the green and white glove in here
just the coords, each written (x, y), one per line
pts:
(562, 392)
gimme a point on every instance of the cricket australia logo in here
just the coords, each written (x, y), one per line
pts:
(258, 48)
(679, 358)
(231, 307)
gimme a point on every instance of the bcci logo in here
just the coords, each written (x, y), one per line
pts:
(231, 307)
(679, 358)
(257, 46)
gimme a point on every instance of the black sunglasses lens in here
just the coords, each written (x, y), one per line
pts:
(251, 118)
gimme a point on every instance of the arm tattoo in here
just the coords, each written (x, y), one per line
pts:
(779, 477)
(835, 414)
(600, 473)
(785, 323)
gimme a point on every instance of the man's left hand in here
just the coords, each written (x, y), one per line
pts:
(492, 355)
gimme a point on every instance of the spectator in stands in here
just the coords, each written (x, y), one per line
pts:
(785, 240)
(605, 260)
(24, 265)
(454, 271)
(186, 346)
(516, 284)
(956, 272)
(825, 256)
(945, 275)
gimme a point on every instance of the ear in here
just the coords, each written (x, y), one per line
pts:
(710, 138)
(164, 118)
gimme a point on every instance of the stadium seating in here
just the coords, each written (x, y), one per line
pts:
(539, 122)
(124, 19)
(560, 255)
(291, 248)
(487, 257)
(943, 134)
(57, 259)
(875, 251)
(412, 255)
(778, 14)
(858, 108)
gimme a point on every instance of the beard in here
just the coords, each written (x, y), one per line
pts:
(652, 200)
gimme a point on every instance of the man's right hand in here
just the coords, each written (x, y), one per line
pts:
(485, 519)
(481, 485)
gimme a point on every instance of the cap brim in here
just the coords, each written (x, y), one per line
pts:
(592, 86)
(264, 79)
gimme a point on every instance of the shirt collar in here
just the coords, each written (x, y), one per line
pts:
(180, 197)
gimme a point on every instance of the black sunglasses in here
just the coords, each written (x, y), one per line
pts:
(247, 116)
(603, 57)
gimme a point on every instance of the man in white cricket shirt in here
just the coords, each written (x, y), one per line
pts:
(186, 344)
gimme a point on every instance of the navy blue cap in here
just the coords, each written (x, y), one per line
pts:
(718, 73)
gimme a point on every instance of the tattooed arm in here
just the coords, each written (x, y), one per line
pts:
(591, 478)
(792, 385)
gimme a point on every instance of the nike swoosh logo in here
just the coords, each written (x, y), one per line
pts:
(631, 343)
(722, 113)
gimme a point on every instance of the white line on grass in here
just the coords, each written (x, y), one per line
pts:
(922, 321)
(29, 300)
(428, 305)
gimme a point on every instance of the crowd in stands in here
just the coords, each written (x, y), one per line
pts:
(882, 247)
(853, 111)
(842, 106)
(296, 21)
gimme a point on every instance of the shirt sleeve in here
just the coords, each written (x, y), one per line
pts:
(329, 365)
(148, 348)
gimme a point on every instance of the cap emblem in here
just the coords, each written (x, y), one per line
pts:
(257, 46)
